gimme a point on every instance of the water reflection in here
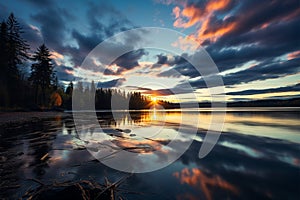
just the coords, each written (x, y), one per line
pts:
(202, 183)
(257, 156)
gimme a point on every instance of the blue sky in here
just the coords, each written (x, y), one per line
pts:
(255, 44)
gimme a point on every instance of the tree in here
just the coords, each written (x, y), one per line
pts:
(42, 74)
(69, 89)
(13, 52)
(3, 51)
(3, 65)
(17, 47)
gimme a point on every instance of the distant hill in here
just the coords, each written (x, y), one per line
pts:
(295, 102)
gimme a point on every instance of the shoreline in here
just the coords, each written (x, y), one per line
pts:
(22, 117)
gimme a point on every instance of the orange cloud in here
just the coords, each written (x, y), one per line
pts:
(176, 12)
(214, 35)
(69, 71)
(192, 15)
(186, 43)
(55, 55)
(217, 5)
(293, 55)
(199, 180)
(188, 17)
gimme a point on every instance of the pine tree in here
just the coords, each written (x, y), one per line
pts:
(17, 47)
(42, 75)
(3, 51)
(69, 89)
(13, 52)
(4, 100)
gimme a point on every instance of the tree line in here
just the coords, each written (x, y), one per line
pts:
(39, 88)
(20, 89)
(91, 98)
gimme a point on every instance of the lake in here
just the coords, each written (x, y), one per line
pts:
(256, 157)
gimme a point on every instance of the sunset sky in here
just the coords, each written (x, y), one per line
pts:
(255, 44)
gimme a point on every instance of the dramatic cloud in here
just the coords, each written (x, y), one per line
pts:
(53, 23)
(129, 60)
(236, 33)
(171, 60)
(137, 88)
(293, 55)
(160, 92)
(292, 88)
(205, 14)
(65, 73)
(102, 21)
(237, 17)
(111, 83)
(249, 41)
(262, 71)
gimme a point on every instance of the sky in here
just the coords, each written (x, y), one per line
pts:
(254, 44)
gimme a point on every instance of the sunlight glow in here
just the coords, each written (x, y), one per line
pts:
(154, 100)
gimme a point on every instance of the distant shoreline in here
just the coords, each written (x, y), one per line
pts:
(289, 105)
(18, 117)
(22, 117)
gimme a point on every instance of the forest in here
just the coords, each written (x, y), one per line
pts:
(39, 88)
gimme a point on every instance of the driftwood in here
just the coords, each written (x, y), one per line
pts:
(81, 189)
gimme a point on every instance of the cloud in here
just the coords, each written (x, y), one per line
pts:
(53, 26)
(259, 44)
(292, 88)
(137, 87)
(250, 39)
(129, 60)
(293, 55)
(181, 66)
(236, 18)
(237, 32)
(263, 71)
(65, 73)
(203, 14)
(102, 21)
(160, 92)
(170, 60)
(111, 83)
(184, 88)
(183, 69)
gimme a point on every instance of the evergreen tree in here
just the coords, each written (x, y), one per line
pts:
(3, 51)
(4, 100)
(42, 75)
(69, 89)
(17, 47)
(13, 52)
(69, 93)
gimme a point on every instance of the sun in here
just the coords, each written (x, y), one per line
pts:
(154, 100)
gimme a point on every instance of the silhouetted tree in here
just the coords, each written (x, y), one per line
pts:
(17, 46)
(13, 52)
(69, 89)
(42, 75)
(4, 100)
(68, 96)
(3, 51)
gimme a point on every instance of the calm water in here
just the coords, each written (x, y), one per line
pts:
(256, 157)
